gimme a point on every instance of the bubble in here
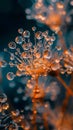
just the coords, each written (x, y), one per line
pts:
(38, 35)
(20, 30)
(19, 39)
(26, 34)
(10, 76)
(12, 45)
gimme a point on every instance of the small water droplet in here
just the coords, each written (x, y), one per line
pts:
(12, 45)
(20, 30)
(26, 34)
(38, 35)
(19, 39)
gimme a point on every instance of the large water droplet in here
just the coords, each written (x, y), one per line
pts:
(10, 75)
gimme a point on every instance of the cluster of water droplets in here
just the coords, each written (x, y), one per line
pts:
(38, 57)
(28, 57)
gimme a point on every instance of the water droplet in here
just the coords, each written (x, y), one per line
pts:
(16, 99)
(12, 56)
(12, 45)
(20, 30)
(34, 28)
(53, 38)
(38, 35)
(24, 55)
(27, 11)
(47, 54)
(10, 76)
(26, 34)
(3, 63)
(55, 67)
(19, 90)
(19, 39)
(38, 55)
(12, 84)
(26, 46)
(3, 98)
(5, 106)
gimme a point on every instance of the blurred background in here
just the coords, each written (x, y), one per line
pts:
(12, 17)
